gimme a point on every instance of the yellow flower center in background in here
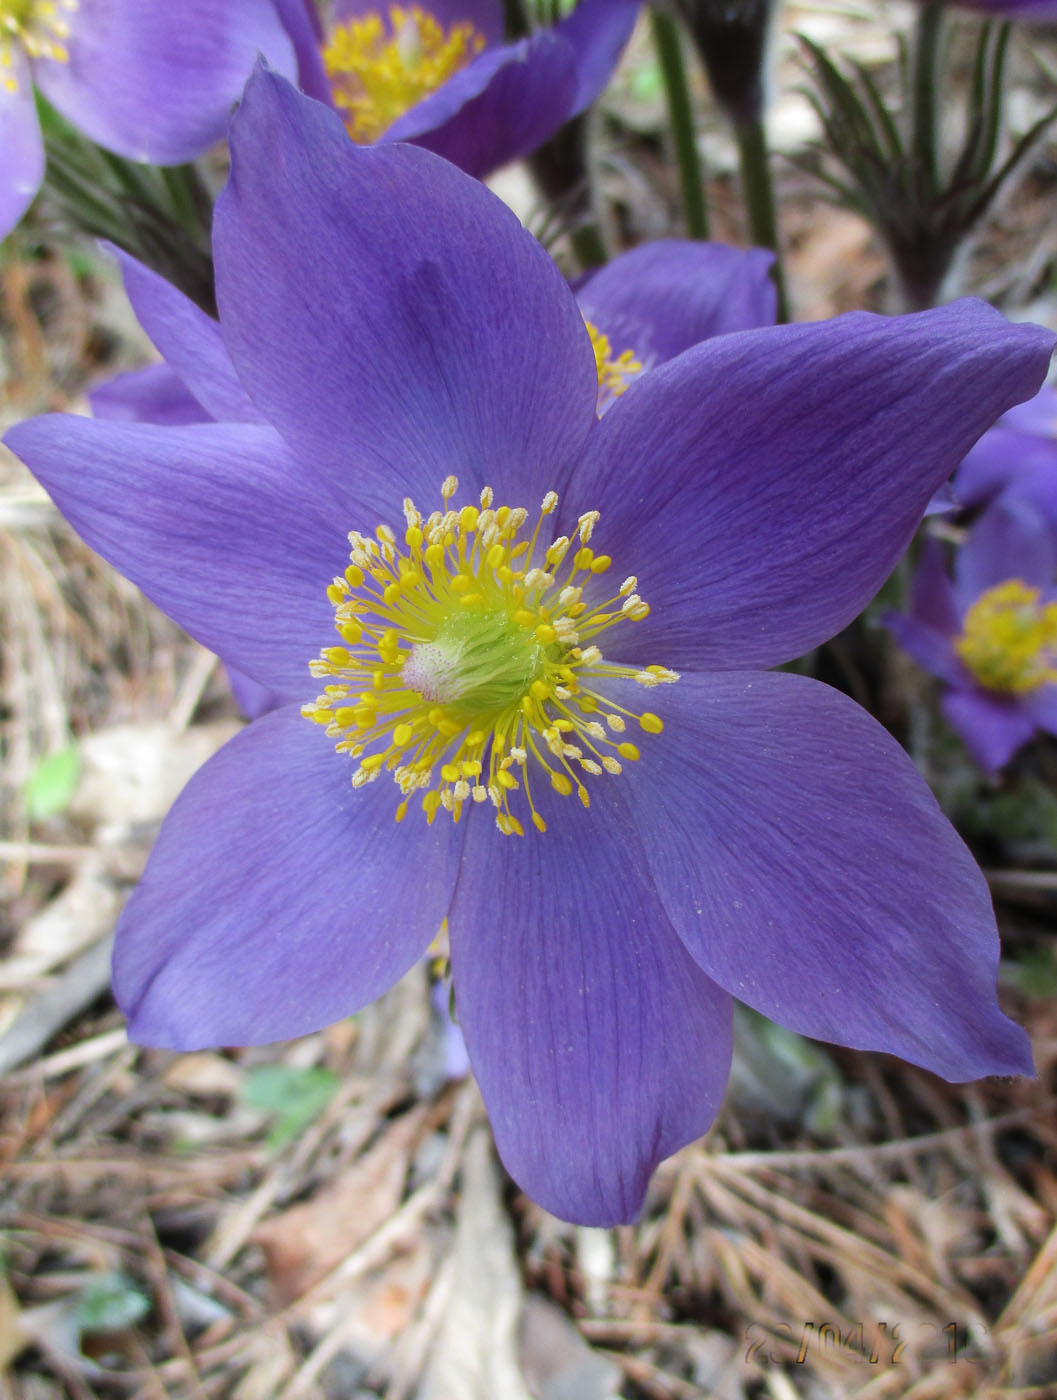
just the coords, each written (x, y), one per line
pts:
(1009, 639)
(40, 27)
(378, 70)
(468, 671)
(615, 372)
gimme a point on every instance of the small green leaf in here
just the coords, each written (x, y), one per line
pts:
(53, 783)
(110, 1303)
(293, 1096)
(1033, 972)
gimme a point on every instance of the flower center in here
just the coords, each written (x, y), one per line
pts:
(615, 372)
(1009, 639)
(468, 670)
(39, 27)
(379, 66)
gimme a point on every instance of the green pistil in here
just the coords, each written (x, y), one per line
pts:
(480, 663)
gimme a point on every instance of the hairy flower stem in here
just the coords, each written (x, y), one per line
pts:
(758, 191)
(681, 120)
(925, 89)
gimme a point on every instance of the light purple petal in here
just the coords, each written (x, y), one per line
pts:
(1001, 458)
(215, 522)
(598, 31)
(599, 1046)
(1038, 415)
(809, 870)
(991, 727)
(277, 899)
(932, 598)
(486, 16)
(252, 699)
(390, 315)
(154, 80)
(21, 147)
(663, 297)
(152, 395)
(1041, 707)
(761, 486)
(189, 340)
(500, 107)
(930, 648)
(1011, 540)
(301, 22)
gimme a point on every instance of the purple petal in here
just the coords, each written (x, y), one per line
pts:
(991, 727)
(500, 107)
(214, 522)
(152, 395)
(1038, 415)
(763, 485)
(1041, 707)
(598, 1044)
(663, 297)
(1001, 459)
(1011, 540)
(930, 648)
(21, 147)
(301, 22)
(252, 699)
(429, 332)
(932, 599)
(189, 340)
(277, 898)
(155, 80)
(486, 16)
(809, 870)
(598, 31)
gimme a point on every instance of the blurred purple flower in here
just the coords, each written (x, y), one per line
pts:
(149, 79)
(399, 329)
(990, 634)
(1016, 460)
(437, 73)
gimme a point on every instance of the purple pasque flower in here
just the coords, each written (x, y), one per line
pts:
(1015, 460)
(990, 634)
(569, 636)
(149, 79)
(437, 72)
(641, 310)
(652, 303)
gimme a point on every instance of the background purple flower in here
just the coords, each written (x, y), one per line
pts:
(1015, 460)
(993, 664)
(500, 102)
(151, 80)
(773, 843)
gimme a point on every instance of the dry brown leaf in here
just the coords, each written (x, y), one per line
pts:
(304, 1243)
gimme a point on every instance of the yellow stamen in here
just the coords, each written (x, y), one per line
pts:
(1009, 639)
(379, 65)
(461, 675)
(39, 28)
(615, 372)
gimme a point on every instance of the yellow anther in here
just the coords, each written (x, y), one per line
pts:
(614, 372)
(457, 671)
(1009, 639)
(538, 822)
